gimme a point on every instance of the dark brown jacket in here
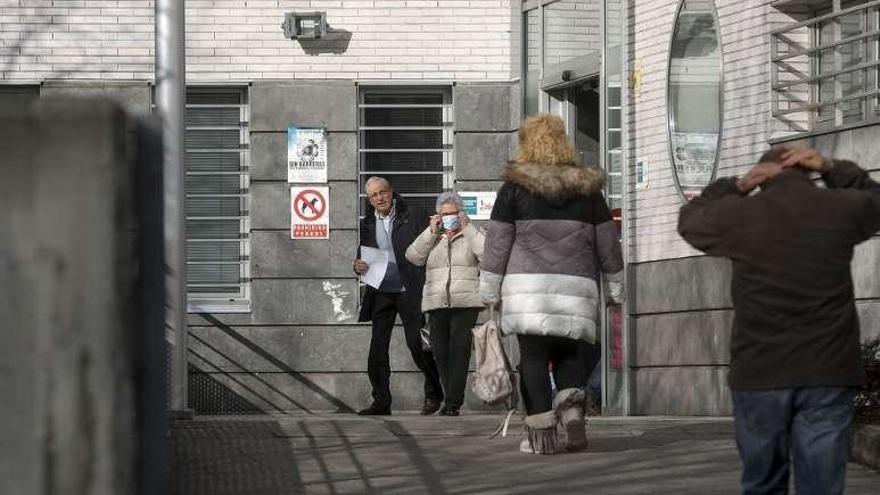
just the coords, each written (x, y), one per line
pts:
(795, 322)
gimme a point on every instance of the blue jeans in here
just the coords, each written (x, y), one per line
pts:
(810, 424)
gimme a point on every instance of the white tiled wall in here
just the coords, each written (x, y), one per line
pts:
(242, 40)
(744, 35)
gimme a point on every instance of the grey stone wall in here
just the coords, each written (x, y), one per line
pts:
(861, 146)
(301, 339)
(680, 325)
(301, 348)
(486, 120)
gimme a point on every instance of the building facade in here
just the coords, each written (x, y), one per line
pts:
(663, 94)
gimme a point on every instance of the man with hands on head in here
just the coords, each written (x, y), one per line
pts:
(794, 357)
(391, 225)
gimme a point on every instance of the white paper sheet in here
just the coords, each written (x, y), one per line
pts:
(378, 261)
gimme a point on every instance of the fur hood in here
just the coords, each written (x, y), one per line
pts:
(555, 182)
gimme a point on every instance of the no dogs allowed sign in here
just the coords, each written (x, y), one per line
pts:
(310, 213)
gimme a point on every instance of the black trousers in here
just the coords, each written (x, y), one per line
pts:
(537, 352)
(451, 338)
(386, 307)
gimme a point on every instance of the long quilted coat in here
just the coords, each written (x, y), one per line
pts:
(550, 236)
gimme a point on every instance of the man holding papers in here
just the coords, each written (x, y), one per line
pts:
(393, 287)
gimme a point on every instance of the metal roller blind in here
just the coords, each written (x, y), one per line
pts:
(217, 202)
(406, 136)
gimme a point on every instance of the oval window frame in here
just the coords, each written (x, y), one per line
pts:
(670, 112)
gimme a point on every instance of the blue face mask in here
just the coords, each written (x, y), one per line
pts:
(451, 222)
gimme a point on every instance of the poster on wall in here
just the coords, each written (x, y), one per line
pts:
(309, 212)
(478, 205)
(693, 154)
(641, 175)
(306, 155)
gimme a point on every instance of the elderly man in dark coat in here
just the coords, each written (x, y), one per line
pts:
(390, 225)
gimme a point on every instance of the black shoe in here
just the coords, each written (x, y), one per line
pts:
(430, 407)
(375, 410)
(449, 411)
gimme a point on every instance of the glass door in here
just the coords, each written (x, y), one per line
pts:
(616, 376)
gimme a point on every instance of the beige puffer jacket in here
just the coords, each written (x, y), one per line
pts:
(452, 274)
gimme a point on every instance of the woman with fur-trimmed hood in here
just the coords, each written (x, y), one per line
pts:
(549, 237)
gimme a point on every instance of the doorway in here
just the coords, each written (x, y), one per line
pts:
(579, 104)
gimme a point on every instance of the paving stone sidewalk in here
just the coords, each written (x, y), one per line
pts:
(411, 454)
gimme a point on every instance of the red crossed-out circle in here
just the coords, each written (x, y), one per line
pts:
(306, 207)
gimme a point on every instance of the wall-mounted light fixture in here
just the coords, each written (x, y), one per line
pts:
(305, 25)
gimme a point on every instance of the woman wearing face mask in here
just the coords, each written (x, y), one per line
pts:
(450, 249)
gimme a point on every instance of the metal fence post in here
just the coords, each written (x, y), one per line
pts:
(170, 101)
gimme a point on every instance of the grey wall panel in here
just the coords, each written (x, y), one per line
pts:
(133, 97)
(275, 106)
(292, 302)
(481, 156)
(703, 282)
(344, 206)
(685, 284)
(859, 145)
(869, 317)
(865, 147)
(692, 338)
(688, 391)
(483, 107)
(276, 255)
(293, 348)
(266, 349)
(835, 145)
(305, 301)
(269, 156)
(292, 392)
(270, 205)
(866, 269)
(342, 154)
(515, 103)
(478, 185)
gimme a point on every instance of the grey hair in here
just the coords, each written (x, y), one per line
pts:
(449, 197)
(381, 180)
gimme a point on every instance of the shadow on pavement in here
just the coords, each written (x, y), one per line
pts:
(409, 454)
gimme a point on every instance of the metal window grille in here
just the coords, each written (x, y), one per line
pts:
(217, 201)
(825, 68)
(406, 136)
(614, 144)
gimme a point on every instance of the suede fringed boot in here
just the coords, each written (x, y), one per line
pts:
(569, 408)
(540, 434)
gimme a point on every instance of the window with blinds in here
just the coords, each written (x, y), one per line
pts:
(217, 216)
(406, 136)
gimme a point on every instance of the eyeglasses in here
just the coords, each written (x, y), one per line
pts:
(383, 193)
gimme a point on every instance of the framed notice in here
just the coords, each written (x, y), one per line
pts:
(310, 212)
(306, 155)
(478, 205)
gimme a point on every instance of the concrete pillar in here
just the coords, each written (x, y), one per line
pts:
(70, 346)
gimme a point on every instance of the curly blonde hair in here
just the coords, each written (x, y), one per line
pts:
(542, 139)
